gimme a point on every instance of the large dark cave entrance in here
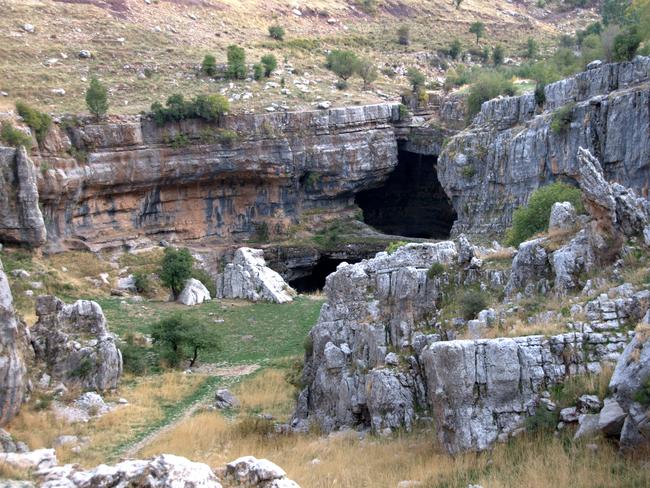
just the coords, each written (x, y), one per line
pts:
(315, 280)
(411, 203)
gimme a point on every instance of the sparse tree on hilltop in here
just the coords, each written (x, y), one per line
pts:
(478, 29)
(97, 98)
(342, 63)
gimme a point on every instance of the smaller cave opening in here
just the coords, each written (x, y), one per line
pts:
(315, 279)
(412, 202)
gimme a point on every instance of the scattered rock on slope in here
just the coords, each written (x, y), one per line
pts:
(194, 293)
(248, 277)
(74, 344)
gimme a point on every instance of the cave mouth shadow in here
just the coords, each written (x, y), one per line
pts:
(315, 280)
(412, 202)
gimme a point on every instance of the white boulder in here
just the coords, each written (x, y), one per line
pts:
(194, 293)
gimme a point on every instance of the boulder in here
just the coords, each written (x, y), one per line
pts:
(588, 427)
(29, 461)
(570, 262)
(611, 418)
(164, 471)
(223, 398)
(563, 217)
(74, 345)
(13, 379)
(248, 277)
(530, 269)
(262, 473)
(194, 293)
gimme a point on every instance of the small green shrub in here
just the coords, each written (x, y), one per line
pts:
(83, 369)
(236, 63)
(455, 49)
(540, 94)
(14, 137)
(488, 86)
(269, 63)
(39, 122)
(276, 32)
(209, 65)
(468, 171)
(436, 269)
(176, 268)
(562, 118)
(258, 71)
(532, 218)
(542, 421)
(97, 98)
(142, 283)
(342, 63)
(394, 246)
(404, 35)
(498, 55)
(471, 303)
(227, 136)
(626, 45)
(134, 356)
(207, 107)
(403, 112)
(179, 338)
(416, 79)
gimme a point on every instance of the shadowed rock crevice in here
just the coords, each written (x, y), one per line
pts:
(411, 203)
(315, 279)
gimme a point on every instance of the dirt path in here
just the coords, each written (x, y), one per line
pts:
(221, 372)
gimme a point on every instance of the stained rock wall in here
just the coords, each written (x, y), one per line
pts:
(510, 149)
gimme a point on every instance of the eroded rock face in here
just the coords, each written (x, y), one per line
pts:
(74, 344)
(248, 277)
(259, 473)
(194, 293)
(492, 167)
(483, 389)
(12, 363)
(626, 414)
(164, 471)
(21, 220)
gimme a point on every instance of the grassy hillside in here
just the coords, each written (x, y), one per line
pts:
(144, 51)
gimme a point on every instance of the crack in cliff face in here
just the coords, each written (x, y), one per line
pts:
(412, 202)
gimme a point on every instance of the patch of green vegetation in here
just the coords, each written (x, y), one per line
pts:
(643, 394)
(489, 85)
(436, 269)
(394, 246)
(543, 420)
(468, 171)
(206, 107)
(562, 118)
(249, 331)
(39, 122)
(471, 303)
(14, 137)
(533, 218)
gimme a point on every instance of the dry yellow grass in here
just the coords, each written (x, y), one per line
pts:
(266, 392)
(147, 397)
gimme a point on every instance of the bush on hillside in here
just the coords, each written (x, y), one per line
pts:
(471, 303)
(142, 283)
(176, 269)
(488, 86)
(39, 122)
(207, 107)
(276, 32)
(14, 137)
(532, 218)
(236, 63)
(498, 55)
(269, 63)
(367, 71)
(416, 79)
(179, 338)
(626, 45)
(455, 49)
(209, 65)
(404, 35)
(97, 98)
(394, 246)
(562, 118)
(342, 63)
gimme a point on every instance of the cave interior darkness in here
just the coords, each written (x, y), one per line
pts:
(315, 280)
(411, 203)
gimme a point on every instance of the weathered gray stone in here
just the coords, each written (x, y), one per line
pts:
(194, 293)
(248, 277)
(12, 347)
(74, 344)
(531, 269)
(563, 216)
(261, 473)
(223, 398)
(571, 261)
(611, 418)
(588, 427)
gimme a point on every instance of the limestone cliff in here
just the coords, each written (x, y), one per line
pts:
(510, 149)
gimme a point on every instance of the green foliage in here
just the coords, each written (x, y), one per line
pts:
(97, 98)
(404, 35)
(134, 356)
(258, 71)
(455, 49)
(342, 63)
(562, 118)
(178, 338)
(39, 122)
(14, 137)
(209, 65)
(261, 232)
(367, 71)
(471, 303)
(308, 345)
(176, 269)
(489, 85)
(457, 3)
(204, 277)
(436, 269)
(403, 112)
(532, 218)
(595, 28)
(83, 369)
(498, 55)
(236, 63)
(478, 29)
(416, 79)
(394, 246)
(540, 94)
(531, 48)
(626, 44)
(642, 395)
(269, 63)
(207, 107)
(142, 283)
(613, 11)
(468, 171)
(542, 421)
(276, 32)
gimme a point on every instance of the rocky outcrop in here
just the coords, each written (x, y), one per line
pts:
(191, 180)
(12, 363)
(21, 220)
(481, 391)
(74, 345)
(260, 473)
(626, 415)
(194, 293)
(492, 167)
(248, 277)
(164, 471)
